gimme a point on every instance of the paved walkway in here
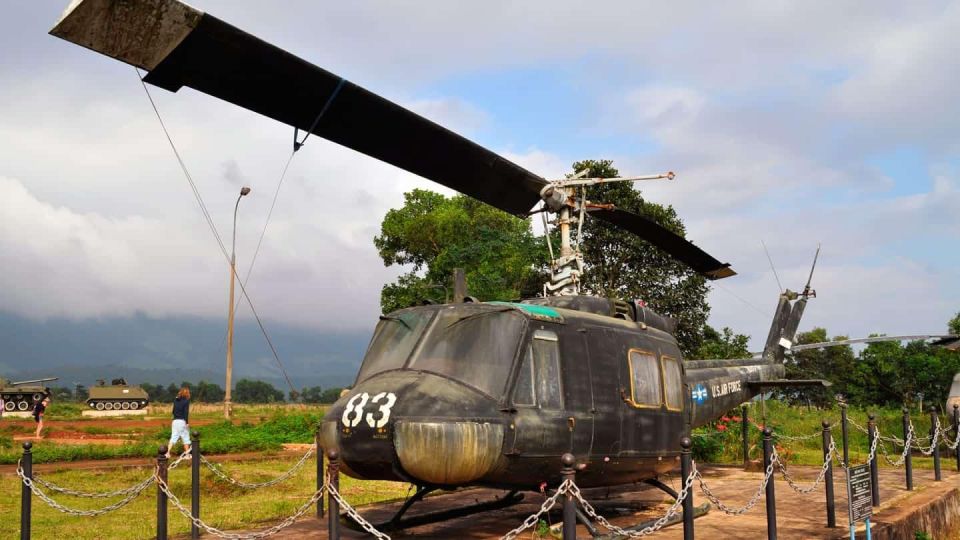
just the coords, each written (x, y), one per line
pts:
(798, 516)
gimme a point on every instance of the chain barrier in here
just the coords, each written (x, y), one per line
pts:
(951, 445)
(650, 529)
(100, 494)
(933, 439)
(906, 450)
(134, 492)
(831, 450)
(215, 468)
(236, 536)
(870, 456)
(533, 519)
(367, 526)
(750, 503)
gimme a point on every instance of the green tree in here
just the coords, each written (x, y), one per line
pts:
(722, 345)
(434, 234)
(312, 394)
(619, 264)
(208, 392)
(156, 392)
(834, 364)
(954, 325)
(250, 391)
(330, 395)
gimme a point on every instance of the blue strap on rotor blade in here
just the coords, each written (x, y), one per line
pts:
(296, 145)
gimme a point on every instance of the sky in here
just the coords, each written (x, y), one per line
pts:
(794, 124)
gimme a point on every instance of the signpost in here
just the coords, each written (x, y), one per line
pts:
(859, 497)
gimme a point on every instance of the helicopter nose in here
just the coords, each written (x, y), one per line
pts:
(415, 427)
(448, 452)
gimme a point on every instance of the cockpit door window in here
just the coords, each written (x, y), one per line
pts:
(538, 382)
(645, 379)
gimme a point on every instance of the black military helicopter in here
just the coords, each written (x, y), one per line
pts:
(479, 393)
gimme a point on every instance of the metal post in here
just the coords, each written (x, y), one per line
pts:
(333, 517)
(828, 477)
(908, 460)
(26, 462)
(459, 285)
(569, 506)
(745, 431)
(956, 430)
(936, 444)
(319, 452)
(771, 501)
(843, 434)
(195, 483)
(874, 468)
(686, 467)
(161, 496)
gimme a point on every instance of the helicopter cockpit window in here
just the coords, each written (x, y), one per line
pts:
(645, 379)
(539, 377)
(473, 344)
(672, 383)
(393, 341)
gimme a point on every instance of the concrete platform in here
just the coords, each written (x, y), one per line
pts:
(17, 414)
(933, 507)
(105, 414)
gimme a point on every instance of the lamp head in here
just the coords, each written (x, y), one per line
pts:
(244, 191)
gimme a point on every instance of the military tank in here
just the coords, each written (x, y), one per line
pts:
(21, 395)
(117, 396)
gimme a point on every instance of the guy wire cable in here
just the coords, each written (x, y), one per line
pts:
(213, 228)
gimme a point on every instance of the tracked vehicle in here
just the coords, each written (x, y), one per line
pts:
(21, 395)
(117, 396)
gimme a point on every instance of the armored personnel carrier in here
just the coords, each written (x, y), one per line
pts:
(117, 396)
(21, 395)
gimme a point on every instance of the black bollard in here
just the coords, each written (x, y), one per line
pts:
(745, 430)
(686, 467)
(956, 431)
(843, 434)
(161, 496)
(908, 460)
(26, 462)
(936, 444)
(874, 468)
(333, 515)
(319, 452)
(569, 504)
(828, 477)
(771, 501)
(195, 483)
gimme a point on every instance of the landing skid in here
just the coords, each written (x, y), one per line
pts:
(677, 518)
(397, 522)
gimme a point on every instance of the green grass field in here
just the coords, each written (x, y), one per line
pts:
(223, 505)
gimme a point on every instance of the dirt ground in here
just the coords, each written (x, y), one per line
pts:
(798, 516)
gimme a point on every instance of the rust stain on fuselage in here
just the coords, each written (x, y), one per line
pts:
(447, 453)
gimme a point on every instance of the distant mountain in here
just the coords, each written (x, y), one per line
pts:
(174, 349)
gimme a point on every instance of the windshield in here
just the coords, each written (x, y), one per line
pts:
(393, 341)
(475, 345)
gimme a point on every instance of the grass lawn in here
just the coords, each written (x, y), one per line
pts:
(223, 505)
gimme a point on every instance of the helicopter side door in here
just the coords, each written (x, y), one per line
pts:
(539, 422)
(652, 395)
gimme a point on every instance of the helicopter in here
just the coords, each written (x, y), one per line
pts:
(469, 393)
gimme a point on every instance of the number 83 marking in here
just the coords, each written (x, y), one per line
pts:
(354, 411)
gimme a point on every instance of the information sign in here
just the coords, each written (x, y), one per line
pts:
(858, 493)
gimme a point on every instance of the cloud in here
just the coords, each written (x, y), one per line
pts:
(770, 114)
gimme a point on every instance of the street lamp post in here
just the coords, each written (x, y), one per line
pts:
(233, 276)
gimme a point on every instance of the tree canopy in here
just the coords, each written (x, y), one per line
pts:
(250, 391)
(502, 258)
(724, 344)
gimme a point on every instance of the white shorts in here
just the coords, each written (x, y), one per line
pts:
(179, 430)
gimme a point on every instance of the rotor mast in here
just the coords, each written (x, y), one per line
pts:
(560, 197)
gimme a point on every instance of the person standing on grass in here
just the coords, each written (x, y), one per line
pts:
(181, 415)
(38, 409)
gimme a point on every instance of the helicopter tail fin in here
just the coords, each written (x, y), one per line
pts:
(786, 320)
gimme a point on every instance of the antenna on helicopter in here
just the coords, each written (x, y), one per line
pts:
(560, 197)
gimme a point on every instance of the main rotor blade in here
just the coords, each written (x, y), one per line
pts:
(181, 46)
(875, 339)
(678, 247)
